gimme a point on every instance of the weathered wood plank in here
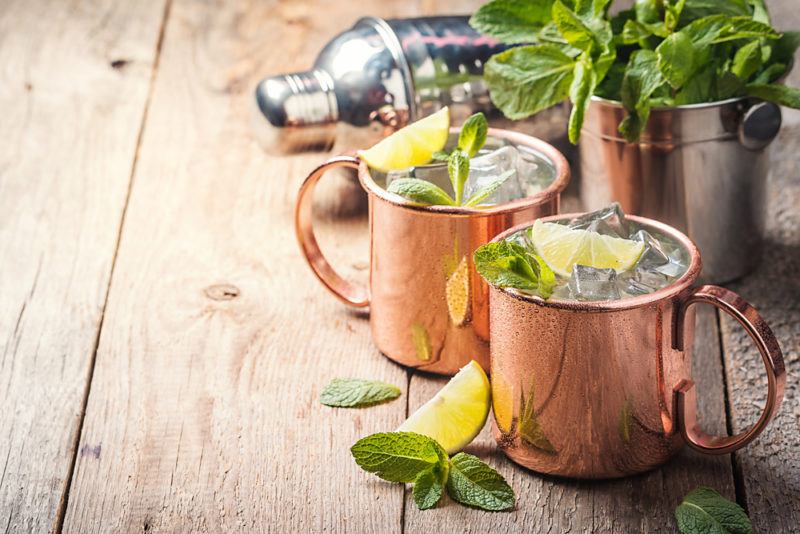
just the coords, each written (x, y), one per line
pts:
(770, 466)
(547, 504)
(73, 88)
(204, 410)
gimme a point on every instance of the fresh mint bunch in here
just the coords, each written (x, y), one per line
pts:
(659, 53)
(470, 140)
(704, 510)
(509, 264)
(357, 393)
(413, 458)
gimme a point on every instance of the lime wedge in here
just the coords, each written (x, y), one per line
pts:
(562, 248)
(457, 294)
(410, 146)
(457, 413)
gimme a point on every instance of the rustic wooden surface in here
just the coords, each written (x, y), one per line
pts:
(163, 343)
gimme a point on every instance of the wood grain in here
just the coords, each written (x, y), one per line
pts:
(770, 466)
(643, 503)
(217, 339)
(74, 79)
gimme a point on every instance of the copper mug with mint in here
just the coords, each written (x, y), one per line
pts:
(591, 328)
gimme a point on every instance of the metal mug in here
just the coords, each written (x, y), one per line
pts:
(604, 389)
(701, 168)
(414, 251)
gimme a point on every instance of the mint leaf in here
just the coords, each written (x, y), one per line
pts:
(780, 94)
(356, 393)
(473, 134)
(503, 264)
(783, 49)
(642, 78)
(717, 29)
(507, 264)
(636, 32)
(512, 21)
(397, 456)
(474, 483)
(705, 511)
(747, 60)
(572, 27)
(482, 194)
(696, 9)
(429, 486)
(770, 74)
(584, 82)
(528, 79)
(530, 430)
(458, 168)
(647, 11)
(440, 155)
(676, 59)
(420, 191)
(760, 13)
(702, 87)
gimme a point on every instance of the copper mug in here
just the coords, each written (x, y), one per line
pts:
(604, 389)
(415, 252)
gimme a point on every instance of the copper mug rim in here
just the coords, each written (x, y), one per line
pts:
(675, 288)
(551, 191)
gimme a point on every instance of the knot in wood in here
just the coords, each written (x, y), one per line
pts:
(222, 292)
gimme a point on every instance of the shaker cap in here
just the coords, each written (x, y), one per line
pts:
(300, 111)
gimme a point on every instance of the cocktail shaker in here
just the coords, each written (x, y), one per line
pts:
(378, 76)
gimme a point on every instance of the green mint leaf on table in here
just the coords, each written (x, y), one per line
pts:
(474, 483)
(356, 393)
(421, 191)
(779, 94)
(676, 59)
(473, 134)
(512, 21)
(482, 194)
(642, 78)
(704, 511)
(397, 456)
(584, 83)
(527, 79)
(458, 169)
(429, 486)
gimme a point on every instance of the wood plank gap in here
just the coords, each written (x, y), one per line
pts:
(409, 375)
(736, 468)
(61, 511)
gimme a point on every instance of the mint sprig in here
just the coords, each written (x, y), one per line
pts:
(660, 53)
(357, 393)
(470, 140)
(509, 264)
(409, 457)
(704, 510)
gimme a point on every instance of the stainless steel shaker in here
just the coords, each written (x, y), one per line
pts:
(701, 168)
(378, 76)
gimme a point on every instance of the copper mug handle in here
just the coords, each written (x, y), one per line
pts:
(685, 391)
(303, 224)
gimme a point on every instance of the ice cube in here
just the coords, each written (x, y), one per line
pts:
(485, 169)
(534, 171)
(607, 221)
(435, 173)
(653, 254)
(589, 283)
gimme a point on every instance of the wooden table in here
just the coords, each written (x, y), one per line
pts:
(163, 344)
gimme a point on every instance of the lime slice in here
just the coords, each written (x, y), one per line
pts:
(562, 248)
(410, 146)
(457, 293)
(455, 415)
